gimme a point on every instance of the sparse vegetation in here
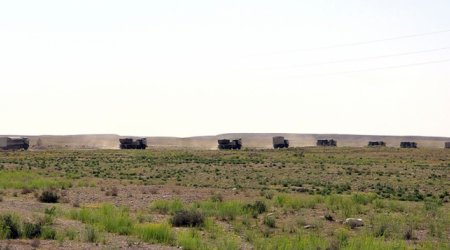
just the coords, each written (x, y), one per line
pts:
(187, 219)
(49, 196)
(269, 221)
(20, 179)
(9, 227)
(190, 240)
(14, 227)
(107, 217)
(32, 230)
(155, 233)
(167, 206)
(263, 199)
(91, 235)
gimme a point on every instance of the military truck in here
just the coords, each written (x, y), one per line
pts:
(130, 143)
(376, 144)
(326, 143)
(230, 143)
(447, 145)
(14, 143)
(408, 144)
(280, 142)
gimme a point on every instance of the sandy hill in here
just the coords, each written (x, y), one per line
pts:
(253, 140)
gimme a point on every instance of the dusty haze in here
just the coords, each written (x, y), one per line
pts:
(251, 140)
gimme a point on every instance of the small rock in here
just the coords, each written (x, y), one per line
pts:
(353, 222)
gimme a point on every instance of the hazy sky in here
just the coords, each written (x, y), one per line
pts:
(182, 68)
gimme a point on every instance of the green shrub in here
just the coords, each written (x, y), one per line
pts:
(111, 218)
(226, 210)
(370, 243)
(12, 228)
(295, 202)
(311, 242)
(379, 203)
(71, 234)
(91, 235)
(260, 207)
(436, 229)
(267, 194)
(48, 233)
(342, 236)
(306, 242)
(395, 206)
(29, 180)
(188, 219)
(281, 200)
(432, 245)
(167, 206)
(269, 221)
(229, 243)
(363, 199)
(50, 211)
(9, 227)
(32, 230)
(155, 233)
(190, 240)
(229, 210)
(431, 206)
(387, 226)
(50, 214)
(344, 205)
(217, 198)
(256, 208)
(49, 196)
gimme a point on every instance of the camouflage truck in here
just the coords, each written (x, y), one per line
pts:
(230, 143)
(280, 142)
(408, 144)
(326, 143)
(14, 143)
(447, 145)
(376, 144)
(130, 143)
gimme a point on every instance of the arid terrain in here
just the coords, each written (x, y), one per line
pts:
(160, 198)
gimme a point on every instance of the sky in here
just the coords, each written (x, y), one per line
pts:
(187, 68)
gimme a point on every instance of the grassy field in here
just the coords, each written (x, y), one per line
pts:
(205, 199)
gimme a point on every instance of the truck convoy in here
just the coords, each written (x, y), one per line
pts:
(130, 143)
(230, 143)
(280, 142)
(326, 143)
(408, 144)
(14, 143)
(376, 144)
(23, 143)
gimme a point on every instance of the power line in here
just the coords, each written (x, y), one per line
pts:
(377, 69)
(362, 42)
(381, 40)
(374, 57)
